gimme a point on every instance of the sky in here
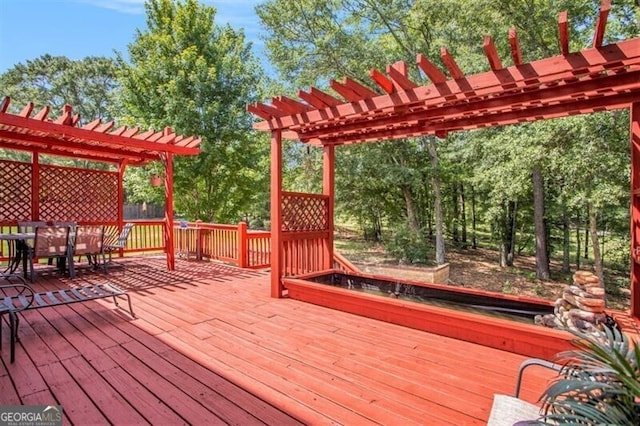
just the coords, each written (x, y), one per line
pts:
(80, 28)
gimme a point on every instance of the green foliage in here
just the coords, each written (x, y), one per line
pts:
(88, 85)
(408, 247)
(188, 73)
(599, 382)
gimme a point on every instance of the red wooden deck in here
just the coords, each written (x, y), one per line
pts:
(209, 346)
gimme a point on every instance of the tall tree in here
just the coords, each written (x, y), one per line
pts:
(197, 77)
(87, 85)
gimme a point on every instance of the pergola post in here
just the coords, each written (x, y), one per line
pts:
(328, 189)
(276, 214)
(168, 212)
(35, 186)
(635, 209)
(122, 166)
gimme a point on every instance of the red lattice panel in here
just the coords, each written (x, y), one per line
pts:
(15, 191)
(79, 195)
(304, 212)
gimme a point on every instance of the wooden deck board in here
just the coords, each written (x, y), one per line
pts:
(209, 346)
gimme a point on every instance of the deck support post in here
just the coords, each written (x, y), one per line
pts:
(328, 189)
(277, 287)
(635, 210)
(168, 212)
(122, 167)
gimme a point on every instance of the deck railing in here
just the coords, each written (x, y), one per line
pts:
(228, 243)
(234, 244)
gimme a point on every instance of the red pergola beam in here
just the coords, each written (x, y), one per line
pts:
(605, 6)
(55, 146)
(516, 54)
(475, 122)
(492, 54)
(617, 83)
(431, 71)
(63, 132)
(449, 62)
(382, 81)
(527, 76)
(563, 32)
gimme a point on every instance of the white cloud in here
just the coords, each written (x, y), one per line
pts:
(137, 7)
(134, 7)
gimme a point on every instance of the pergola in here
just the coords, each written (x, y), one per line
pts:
(41, 192)
(392, 106)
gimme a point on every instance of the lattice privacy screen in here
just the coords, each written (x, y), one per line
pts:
(78, 195)
(15, 191)
(304, 212)
(64, 194)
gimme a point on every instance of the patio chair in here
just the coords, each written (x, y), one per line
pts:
(29, 227)
(50, 242)
(13, 286)
(116, 242)
(510, 410)
(88, 241)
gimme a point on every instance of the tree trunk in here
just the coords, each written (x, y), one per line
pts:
(542, 258)
(474, 235)
(578, 243)
(455, 228)
(566, 242)
(437, 200)
(586, 234)
(506, 234)
(597, 260)
(463, 216)
(412, 217)
(513, 207)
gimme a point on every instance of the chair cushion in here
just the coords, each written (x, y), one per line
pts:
(508, 410)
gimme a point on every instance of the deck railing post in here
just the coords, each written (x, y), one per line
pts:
(198, 240)
(243, 243)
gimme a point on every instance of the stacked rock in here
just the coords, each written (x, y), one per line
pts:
(581, 306)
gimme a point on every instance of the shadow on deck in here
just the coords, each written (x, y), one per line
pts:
(209, 346)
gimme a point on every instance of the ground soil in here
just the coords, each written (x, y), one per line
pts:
(479, 268)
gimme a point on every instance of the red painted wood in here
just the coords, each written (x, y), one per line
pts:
(492, 54)
(563, 32)
(431, 71)
(529, 340)
(605, 6)
(61, 132)
(35, 186)
(382, 81)
(208, 341)
(328, 189)
(346, 91)
(276, 214)
(548, 70)
(169, 245)
(634, 133)
(449, 62)
(399, 74)
(516, 54)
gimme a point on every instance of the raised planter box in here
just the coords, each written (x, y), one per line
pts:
(513, 336)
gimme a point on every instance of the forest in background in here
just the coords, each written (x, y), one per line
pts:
(556, 188)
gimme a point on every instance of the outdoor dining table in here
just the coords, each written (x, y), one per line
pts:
(17, 250)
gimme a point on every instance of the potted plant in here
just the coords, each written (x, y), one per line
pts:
(599, 383)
